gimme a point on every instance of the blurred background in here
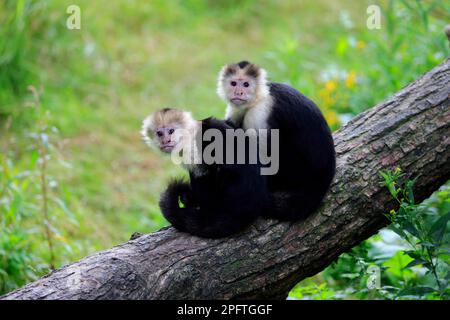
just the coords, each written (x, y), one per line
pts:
(75, 176)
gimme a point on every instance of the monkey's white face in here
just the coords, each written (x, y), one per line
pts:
(240, 89)
(168, 129)
(167, 137)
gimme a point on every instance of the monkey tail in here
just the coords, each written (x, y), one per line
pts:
(184, 213)
(294, 205)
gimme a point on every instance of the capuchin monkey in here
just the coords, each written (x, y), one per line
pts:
(306, 148)
(220, 199)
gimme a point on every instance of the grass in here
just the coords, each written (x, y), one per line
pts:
(98, 89)
(96, 84)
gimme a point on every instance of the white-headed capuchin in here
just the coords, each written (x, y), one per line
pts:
(220, 199)
(306, 150)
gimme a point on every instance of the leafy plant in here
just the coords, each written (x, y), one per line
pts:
(312, 292)
(410, 257)
(21, 21)
(366, 67)
(19, 263)
(425, 232)
(29, 208)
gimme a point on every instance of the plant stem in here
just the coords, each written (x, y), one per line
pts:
(45, 206)
(433, 270)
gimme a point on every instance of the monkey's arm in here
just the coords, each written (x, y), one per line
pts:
(233, 124)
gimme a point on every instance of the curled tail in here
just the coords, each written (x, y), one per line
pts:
(294, 205)
(185, 214)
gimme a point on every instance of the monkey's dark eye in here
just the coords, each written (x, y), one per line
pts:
(159, 133)
(233, 83)
(171, 131)
(246, 84)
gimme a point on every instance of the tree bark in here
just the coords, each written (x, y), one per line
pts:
(410, 130)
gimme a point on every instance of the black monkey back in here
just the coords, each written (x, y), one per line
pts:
(307, 155)
(220, 199)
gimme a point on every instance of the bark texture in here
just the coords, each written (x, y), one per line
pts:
(410, 130)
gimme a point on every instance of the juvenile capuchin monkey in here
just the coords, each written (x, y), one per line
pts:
(306, 148)
(220, 199)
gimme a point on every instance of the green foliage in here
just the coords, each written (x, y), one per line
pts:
(426, 232)
(20, 25)
(410, 258)
(18, 263)
(313, 292)
(31, 209)
(367, 65)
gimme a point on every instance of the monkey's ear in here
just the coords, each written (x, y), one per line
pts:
(226, 71)
(147, 130)
(145, 125)
(229, 70)
(253, 71)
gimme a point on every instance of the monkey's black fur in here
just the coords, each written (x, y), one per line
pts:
(307, 155)
(243, 64)
(226, 198)
(221, 201)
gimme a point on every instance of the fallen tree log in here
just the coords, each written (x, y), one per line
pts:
(410, 130)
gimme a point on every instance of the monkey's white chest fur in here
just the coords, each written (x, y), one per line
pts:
(254, 117)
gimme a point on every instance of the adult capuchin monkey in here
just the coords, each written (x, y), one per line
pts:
(220, 199)
(306, 148)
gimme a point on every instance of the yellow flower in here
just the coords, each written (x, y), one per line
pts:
(60, 238)
(323, 93)
(392, 212)
(331, 117)
(329, 101)
(360, 44)
(330, 85)
(398, 170)
(351, 79)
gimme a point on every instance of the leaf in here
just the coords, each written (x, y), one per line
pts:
(401, 212)
(385, 176)
(341, 46)
(396, 264)
(34, 157)
(409, 190)
(350, 275)
(416, 291)
(437, 230)
(393, 191)
(411, 229)
(413, 254)
(415, 262)
(427, 244)
(398, 231)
